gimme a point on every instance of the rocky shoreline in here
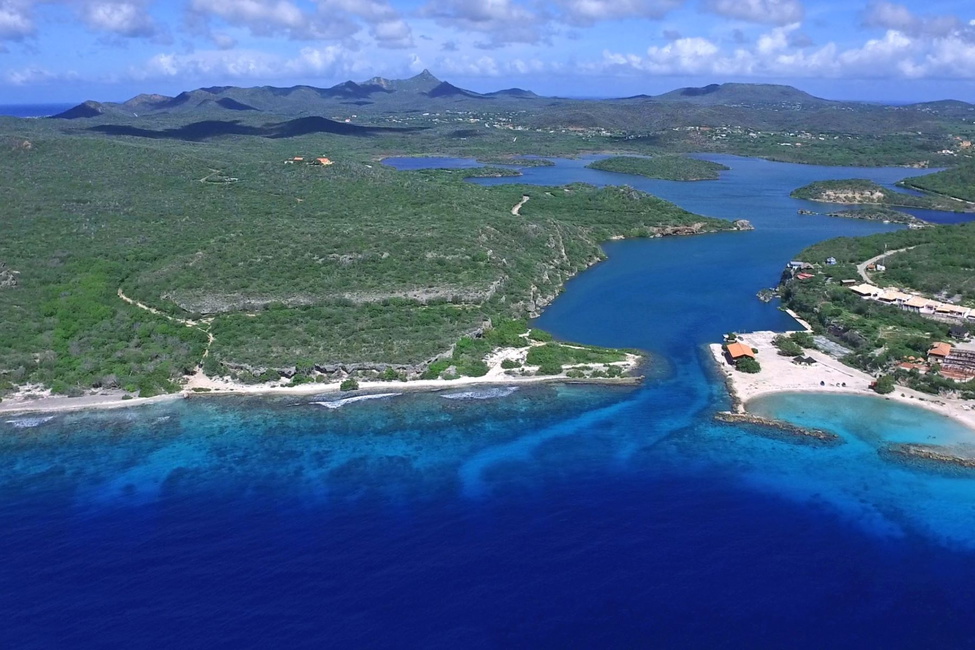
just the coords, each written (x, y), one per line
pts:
(927, 454)
(784, 430)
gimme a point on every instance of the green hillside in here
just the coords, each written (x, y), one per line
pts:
(286, 265)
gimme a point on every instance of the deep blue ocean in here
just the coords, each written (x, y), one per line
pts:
(33, 110)
(547, 516)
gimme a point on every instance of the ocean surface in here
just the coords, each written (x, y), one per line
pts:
(33, 110)
(545, 516)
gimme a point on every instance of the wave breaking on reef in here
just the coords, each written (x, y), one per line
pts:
(29, 423)
(484, 393)
(339, 403)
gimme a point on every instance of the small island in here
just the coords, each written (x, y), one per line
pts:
(879, 213)
(667, 168)
(858, 191)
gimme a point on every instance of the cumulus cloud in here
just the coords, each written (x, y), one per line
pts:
(588, 12)
(386, 24)
(269, 18)
(775, 12)
(34, 75)
(207, 65)
(774, 54)
(16, 20)
(118, 17)
(888, 15)
(501, 22)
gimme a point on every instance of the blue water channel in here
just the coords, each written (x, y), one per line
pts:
(548, 516)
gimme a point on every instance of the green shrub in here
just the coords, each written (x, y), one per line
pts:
(884, 384)
(540, 335)
(349, 384)
(549, 367)
(507, 333)
(749, 365)
(510, 364)
(787, 347)
(434, 370)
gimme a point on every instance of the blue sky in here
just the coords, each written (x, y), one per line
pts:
(70, 50)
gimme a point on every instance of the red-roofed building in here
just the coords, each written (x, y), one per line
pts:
(738, 350)
(939, 352)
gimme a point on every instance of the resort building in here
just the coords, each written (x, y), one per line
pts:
(737, 351)
(913, 303)
(866, 290)
(939, 352)
(959, 365)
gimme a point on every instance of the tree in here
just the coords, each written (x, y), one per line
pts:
(349, 384)
(884, 384)
(749, 365)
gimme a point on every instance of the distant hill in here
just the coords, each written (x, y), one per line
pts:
(83, 110)
(738, 93)
(444, 89)
(209, 129)
(234, 105)
(646, 119)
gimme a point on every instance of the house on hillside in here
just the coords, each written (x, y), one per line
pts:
(939, 352)
(919, 305)
(294, 159)
(866, 290)
(796, 265)
(322, 161)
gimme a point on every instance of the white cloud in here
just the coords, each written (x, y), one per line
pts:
(894, 56)
(777, 40)
(775, 12)
(16, 20)
(392, 33)
(208, 65)
(269, 18)
(35, 75)
(501, 21)
(588, 12)
(888, 15)
(386, 24)
(120, 17)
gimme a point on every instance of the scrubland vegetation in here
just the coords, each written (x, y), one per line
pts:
(291, 265)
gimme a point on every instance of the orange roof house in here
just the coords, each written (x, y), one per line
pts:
(323, 161)
(940, 350)
(738, 350)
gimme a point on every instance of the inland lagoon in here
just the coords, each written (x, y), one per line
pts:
(536, 516)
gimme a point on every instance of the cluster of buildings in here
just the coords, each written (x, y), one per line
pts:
(954, 362)
(914, 303)
(308, 161)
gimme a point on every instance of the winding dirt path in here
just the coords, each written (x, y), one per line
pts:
(862, 267)
(517, 209)
(202, 325)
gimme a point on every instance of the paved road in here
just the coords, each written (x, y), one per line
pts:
(862, 267)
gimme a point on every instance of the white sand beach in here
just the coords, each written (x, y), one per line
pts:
(40, 400)
(779, 375)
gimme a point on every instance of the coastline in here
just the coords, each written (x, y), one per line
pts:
(200, 386)
(780, 375)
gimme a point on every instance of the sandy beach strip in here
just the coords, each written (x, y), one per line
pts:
(38, 400)
(780, 375)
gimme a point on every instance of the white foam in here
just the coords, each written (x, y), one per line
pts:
(29, 423)
(483, 393)
(338, 403)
